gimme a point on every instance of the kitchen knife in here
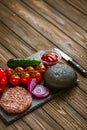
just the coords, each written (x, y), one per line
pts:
(82, 70)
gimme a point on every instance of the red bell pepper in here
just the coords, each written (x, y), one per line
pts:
(3, 80)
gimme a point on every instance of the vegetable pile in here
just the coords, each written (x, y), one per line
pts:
(28, 71)
(22, 75)
(38, 90)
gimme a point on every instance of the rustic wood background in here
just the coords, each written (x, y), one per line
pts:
(27, 26)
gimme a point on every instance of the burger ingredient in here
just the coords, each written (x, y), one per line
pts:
(32, 84)
(19, 70)
(41, 68)
(25, 77)
(29, 69)
(16, 100)
(60, 76)
(37, 75)
(50, 58)
(3, 80)
(9, 72)
(15, 79)
(23, 62)
(40, 91)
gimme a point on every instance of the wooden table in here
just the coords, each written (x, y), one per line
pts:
(27, 26)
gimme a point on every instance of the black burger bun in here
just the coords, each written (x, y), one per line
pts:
(60, 76)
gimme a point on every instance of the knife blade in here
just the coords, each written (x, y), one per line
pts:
(75, 64)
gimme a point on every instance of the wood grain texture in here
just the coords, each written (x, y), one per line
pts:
(81, 5)
(71, 13)
(45, 123)
(27, 26)
(45, 28)
(59, 20)
(27, 33)
(77, 99)
(3, 56)
(12, 42)
(60, 109)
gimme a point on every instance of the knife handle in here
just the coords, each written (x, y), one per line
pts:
(82, 70)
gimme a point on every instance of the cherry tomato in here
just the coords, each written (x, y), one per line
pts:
(9, 72)
(25, 77)
(15, 79)
(37, 75)
(29, 69)
(40, 67)
(19, 70)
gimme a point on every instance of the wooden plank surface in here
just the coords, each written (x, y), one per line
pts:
(59, 20)
(39, 23)
(81, 5)
(27, 26)
(71, 13)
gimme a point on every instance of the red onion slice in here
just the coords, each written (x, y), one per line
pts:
(40, 91)
(32, 84)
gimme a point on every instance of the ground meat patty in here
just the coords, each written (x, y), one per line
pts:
(16, 100)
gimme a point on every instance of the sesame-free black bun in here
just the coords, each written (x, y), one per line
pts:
(60, 76)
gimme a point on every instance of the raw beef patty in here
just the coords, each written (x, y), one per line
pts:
(16, 100)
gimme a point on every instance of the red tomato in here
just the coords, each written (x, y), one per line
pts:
(3, 80)
(40, 67)
(9, 72)
(15, 79)
(37, 75)
(25, 77)
(19, 70)
(3, 83)
(29, 69)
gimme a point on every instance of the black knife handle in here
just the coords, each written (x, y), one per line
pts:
(82, 70)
